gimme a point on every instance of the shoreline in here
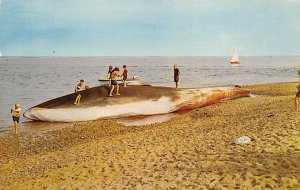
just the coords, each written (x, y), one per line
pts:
(191, 150)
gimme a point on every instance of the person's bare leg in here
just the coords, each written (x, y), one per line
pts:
(118, 87)
(78, 102)
(296, 104)
(176, 84)
(111, 90)
(16, 127)
(77, 98)
(124, 83)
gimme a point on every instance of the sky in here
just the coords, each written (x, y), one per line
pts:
(149, 27)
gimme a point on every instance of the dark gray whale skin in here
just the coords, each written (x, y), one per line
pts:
(99, 95)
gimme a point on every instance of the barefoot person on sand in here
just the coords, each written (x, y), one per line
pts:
(297, 98)
(176, 75)
(124, 74)
(16, 113)
(79, 87)
(114, 82)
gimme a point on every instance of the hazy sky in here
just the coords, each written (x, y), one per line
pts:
(149, 27)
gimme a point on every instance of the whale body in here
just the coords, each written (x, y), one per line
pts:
(133, 101)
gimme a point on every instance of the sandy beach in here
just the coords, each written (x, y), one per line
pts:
(194, 150)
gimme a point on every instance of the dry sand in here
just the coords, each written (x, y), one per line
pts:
(191, 151)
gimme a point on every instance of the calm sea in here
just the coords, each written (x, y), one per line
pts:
(32, 80)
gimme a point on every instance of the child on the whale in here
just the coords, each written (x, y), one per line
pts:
(79, 87)
(110, 70)
(114, 81)
(124, 75)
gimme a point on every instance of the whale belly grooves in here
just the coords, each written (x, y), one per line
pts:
(213, 97)
(134, 100)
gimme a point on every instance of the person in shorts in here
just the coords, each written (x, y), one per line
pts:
(297, 98)
(79, 87)
(176, 75)
(114, 81)
(16, 113)
(124, 75)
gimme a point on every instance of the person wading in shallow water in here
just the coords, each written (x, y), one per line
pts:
(79, 87)
(297, 98)
(16, 113)
(176, 75)
(114, 81)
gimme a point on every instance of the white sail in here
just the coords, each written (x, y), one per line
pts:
(235, 57)
(0, 54)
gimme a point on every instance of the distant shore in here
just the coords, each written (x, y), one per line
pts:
(192, 150)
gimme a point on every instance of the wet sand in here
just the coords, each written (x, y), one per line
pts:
(190, 151)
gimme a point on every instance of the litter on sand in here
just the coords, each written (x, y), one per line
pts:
(243, 140)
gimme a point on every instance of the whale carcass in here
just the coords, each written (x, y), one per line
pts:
(134, 100)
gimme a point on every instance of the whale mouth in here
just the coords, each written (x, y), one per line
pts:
(29, 114)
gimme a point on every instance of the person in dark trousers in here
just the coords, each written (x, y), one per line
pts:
(176, 75)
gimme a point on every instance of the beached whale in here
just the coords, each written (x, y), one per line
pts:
(134, 100)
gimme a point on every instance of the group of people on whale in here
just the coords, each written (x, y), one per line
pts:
(113, 74)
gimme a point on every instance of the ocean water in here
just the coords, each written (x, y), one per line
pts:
(32, 80)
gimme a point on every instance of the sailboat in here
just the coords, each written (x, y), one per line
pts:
(235, 57)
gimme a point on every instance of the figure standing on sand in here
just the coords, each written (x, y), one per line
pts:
(114, 82)
(297, 98)
(79, 87)
(16, 113)
(110, 70)
(176, 75)
(124, 74)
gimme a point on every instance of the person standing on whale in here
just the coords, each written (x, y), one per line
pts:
(176, 75)
(124, 75)
(79, 87)
(110, 70)
(114, 81)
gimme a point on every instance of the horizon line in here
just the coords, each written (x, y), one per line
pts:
(95, 56)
